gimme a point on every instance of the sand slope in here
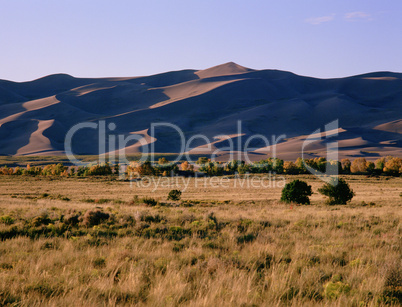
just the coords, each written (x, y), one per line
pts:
(35, 116)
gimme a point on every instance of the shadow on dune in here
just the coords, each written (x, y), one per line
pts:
(208, 102)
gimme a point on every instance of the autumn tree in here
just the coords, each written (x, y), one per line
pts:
(300, 165)
(185, 166)
(359, 165)
(290, 168)
(393, 166)
(346, 164)
(142, 169)
(163, 161)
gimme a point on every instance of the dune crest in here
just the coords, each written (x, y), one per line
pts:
(35, 116)
(226, 69)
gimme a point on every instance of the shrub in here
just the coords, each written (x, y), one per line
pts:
(339, 193)
(296, 191)
(177, 247)
(247, 238)
(99, 262)
(149, 201)
(41, 220)
(7, 220)
(94, 217)
(71, 219)
(393, 284)
(332, 290)
(174, 195)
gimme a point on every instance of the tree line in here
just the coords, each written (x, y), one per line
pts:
(391, 166)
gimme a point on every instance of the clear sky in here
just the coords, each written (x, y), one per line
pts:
(319, 38)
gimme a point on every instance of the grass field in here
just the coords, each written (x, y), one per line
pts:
(92, 242)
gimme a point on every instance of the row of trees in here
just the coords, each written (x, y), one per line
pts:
(62, 170)
(162, 168)
(385, 165)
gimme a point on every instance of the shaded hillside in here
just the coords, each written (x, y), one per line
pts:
(35, 116)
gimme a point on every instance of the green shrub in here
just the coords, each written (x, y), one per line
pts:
(393, 284)
(338, 191)
(99, 262)
(7, 220)
(247, 238)
(71, 219)
(174, 195)
(296, 191)
(40, 220)
(6, 266)
(177, 247)
(151, 218)
(332, 290)
(149, 201)
(94, 217)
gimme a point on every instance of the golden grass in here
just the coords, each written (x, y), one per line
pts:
(252, 250)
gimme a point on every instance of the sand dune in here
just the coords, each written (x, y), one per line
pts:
(35, 116)
(226, 69)
(38, 142)
(395, 126)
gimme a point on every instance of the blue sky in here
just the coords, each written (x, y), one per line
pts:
(100, 38)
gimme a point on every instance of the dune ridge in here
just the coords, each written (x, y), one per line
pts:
(35, 116)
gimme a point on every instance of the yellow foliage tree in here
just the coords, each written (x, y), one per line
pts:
(359, 165)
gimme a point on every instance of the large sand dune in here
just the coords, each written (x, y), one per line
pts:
(35, 116)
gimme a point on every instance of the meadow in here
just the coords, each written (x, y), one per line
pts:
(98, 242)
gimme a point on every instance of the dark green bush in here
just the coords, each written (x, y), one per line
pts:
(174, 195)
(149, 201)
(296, 191)
(393, 284)
(71, 219)
(94, 217)
(338, 191)
(247, 238)
(99, 262)
(7, 220)
(40, 220)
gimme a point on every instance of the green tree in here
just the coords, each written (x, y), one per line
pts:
(380, 164)
(296, 191)
(202, 160)
(339, 192)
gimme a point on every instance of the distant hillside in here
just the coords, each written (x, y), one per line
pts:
(35, 116)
